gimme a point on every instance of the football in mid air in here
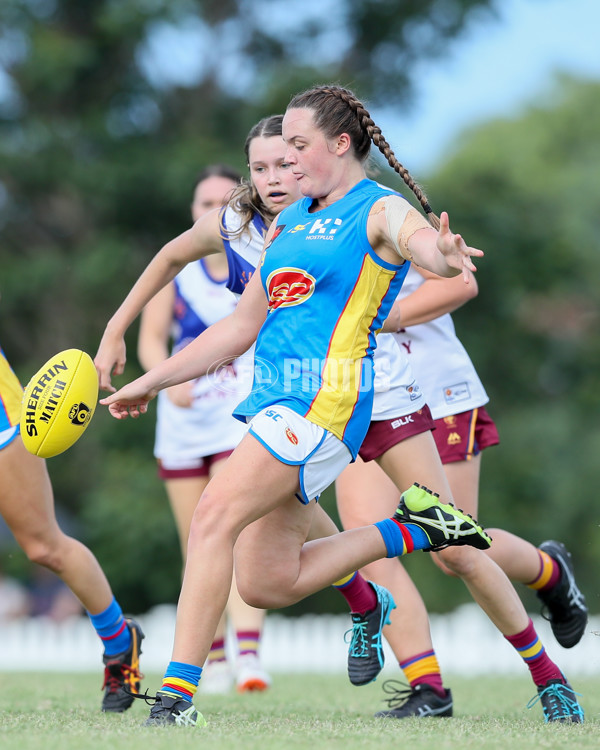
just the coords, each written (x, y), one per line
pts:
(58, 403)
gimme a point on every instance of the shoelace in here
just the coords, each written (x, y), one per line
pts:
(151, 700)
(188, 717)
(127, 677)
(400, 693)
(561, 704)
(111, 681)
(359, 644)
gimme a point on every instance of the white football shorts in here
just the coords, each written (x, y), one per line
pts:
(294, 440)
(7, 436)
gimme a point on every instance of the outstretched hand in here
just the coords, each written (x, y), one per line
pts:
(455, 250)
(110, 360)
(130, 401)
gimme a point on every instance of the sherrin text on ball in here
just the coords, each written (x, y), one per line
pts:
(58, 403)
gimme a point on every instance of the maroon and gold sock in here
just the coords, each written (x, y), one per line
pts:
(248, 642)
(424, 669)
(549, 574)
(358, 592)
(533, 653)
(217, 651)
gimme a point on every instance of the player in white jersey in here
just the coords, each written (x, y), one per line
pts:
(195, 421)
(461, 430)
(195, 430)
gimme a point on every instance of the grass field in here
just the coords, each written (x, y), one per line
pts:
(61, 712)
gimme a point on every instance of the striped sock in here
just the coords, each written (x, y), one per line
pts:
(217, 651)
(112, 629)
(402, 538)
(533, 653)
(549, 574)
(181, 679)
(248, 642)
(358, 592)
(424, 669)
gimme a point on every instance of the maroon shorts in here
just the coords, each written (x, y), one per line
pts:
(381, 436)
(462, 436)
(196, 468)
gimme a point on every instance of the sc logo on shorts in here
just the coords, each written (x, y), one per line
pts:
(80, 414)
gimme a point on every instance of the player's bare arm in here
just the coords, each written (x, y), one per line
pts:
(436, 297)
(396, 230)
(203, 238)
(220, 344)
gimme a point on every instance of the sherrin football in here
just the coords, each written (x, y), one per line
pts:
(58, 403)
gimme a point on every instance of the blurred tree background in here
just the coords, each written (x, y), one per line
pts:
(101, 136)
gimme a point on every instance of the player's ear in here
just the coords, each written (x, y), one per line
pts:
(343, 144)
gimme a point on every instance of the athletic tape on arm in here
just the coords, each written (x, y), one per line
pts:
(402, 221)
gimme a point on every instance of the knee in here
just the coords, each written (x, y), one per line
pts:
(257, 597)
(211, 519)
(41, 552)
(460, 562)
(270, 593)
(435, 556)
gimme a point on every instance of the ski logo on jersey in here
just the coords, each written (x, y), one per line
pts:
(278, 230)
(324, 230)
(288, 287)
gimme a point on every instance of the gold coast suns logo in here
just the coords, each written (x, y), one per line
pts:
(291, 436)
(288, 287)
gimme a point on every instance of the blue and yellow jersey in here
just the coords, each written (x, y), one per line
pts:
(11, 394)
(328, 294)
